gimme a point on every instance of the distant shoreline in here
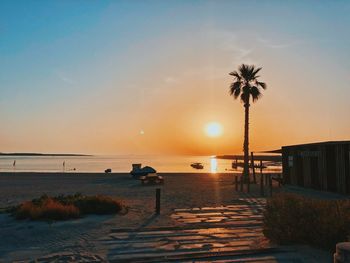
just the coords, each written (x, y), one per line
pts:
(43, 154)
(274, 158)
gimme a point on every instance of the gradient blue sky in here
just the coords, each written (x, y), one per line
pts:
(88, 76)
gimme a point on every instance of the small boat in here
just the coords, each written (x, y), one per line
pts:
(197, 165)
(138, 171)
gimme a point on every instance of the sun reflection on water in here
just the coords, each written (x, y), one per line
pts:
(213, 165)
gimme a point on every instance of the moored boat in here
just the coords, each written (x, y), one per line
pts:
(197, 165)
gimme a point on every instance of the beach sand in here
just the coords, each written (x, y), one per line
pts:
(28, 240)
(25, 239)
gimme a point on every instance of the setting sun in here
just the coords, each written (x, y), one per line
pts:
(213, 129)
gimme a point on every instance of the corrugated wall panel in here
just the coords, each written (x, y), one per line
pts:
(322, 168)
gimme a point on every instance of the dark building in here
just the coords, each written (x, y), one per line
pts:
(322, 166)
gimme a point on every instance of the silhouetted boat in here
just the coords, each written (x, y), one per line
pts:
(197, 165)
(137, 171)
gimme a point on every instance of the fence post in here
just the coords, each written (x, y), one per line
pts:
(253, 166)
(236, 183)
(270, 183)
(158, 201)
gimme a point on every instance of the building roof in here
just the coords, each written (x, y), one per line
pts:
(317, 144)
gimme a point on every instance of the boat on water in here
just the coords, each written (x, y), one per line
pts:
(197, 165)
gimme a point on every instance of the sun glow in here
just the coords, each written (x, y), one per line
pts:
(213, 129)
(213, 165)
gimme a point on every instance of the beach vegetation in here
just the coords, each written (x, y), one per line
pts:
(293, 219)
(64, 207)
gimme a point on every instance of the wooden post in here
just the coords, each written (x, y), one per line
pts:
(248, 185)
(253, 167)
(241, 182)
(158, 201)
(279, 180)
(236, 183)
(261, 185)
(270, 183)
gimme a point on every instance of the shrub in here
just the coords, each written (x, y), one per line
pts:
(66, 207)
(289, 219)
(48, 209)
(98, 205)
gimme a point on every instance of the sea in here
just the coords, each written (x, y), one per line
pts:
(117, 163)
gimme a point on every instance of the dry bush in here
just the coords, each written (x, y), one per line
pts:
(66, 207)
(291, 219)
(98, 205)
(49, 209)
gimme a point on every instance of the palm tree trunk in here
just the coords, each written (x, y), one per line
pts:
(246, 142)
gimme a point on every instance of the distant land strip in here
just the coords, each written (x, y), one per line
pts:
(43, 154)
(272, 158)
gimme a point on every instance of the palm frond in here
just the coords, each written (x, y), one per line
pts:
(235, 89)
(261, 84)
(244, 97)
(245, 94)
(244, 72)
(246, 89)
(246, 83)
(251, 72)
(255, 71)
(235, 74)
(248, 72)
(256, 93)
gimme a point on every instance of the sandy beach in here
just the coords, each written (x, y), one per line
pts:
(29, 240)
(79, 240)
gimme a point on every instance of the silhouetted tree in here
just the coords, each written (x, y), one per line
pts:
(247, 87)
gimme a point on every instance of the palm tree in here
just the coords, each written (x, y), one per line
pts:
(246, 86)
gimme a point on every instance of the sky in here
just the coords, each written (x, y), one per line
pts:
(145, 77)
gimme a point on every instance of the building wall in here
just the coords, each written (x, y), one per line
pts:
(322, 166)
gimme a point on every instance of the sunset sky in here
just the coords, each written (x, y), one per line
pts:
(145, 77)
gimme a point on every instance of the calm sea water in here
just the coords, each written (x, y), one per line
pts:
(116, 163)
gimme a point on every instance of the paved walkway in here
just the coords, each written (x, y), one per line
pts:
(202, 232)
(231, 233)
